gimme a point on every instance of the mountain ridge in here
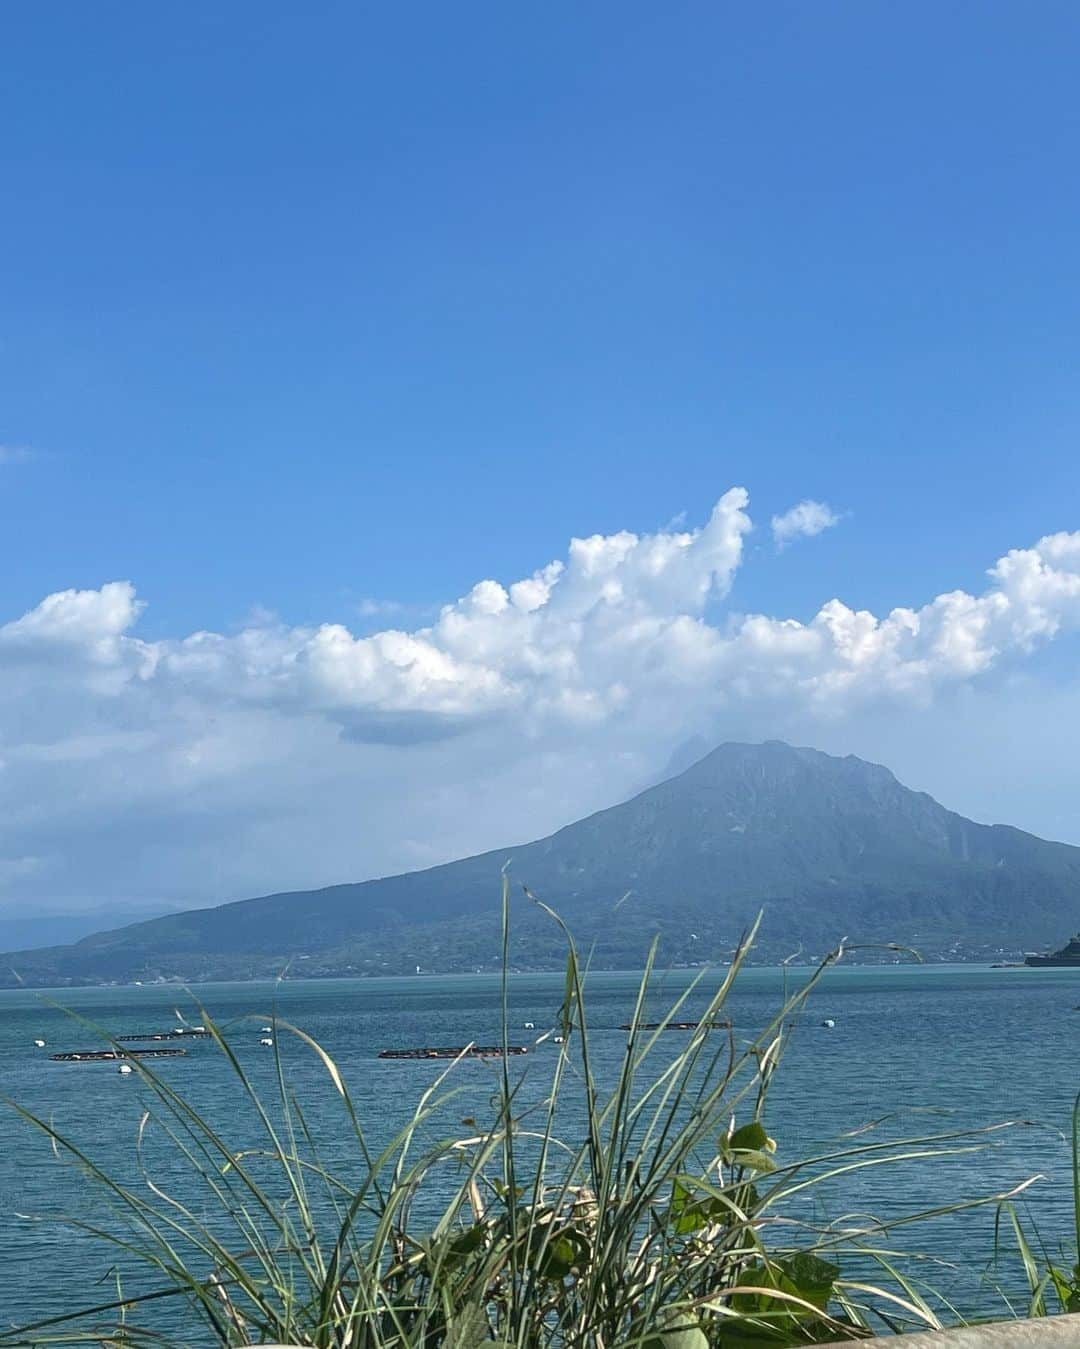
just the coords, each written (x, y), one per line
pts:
(830, 846)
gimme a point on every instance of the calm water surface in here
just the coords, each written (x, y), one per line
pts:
(981, 1044)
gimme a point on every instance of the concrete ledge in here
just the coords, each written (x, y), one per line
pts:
(1049, 1332)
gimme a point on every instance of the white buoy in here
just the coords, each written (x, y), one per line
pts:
(266, 1040)
(40, 1044)
(828, 1023)
(125, 1068)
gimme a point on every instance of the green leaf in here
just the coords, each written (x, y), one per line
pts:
(801, 1275)
(688, 1214)
(750, 1146)
(462, 1245)
(751, 1136)
(562, 1253)
(468, 1241)
(681, 1214)
(677, 1330)
(752, 1160)
(469, 1329)
(758, 1337)
(809, 1277)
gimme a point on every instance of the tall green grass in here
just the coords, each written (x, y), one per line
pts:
(668, 1218)
(1053, 1275)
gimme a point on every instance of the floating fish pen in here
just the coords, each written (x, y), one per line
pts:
(112, 1055)
(166, 1035)
(466, 1051)
(677, 1025)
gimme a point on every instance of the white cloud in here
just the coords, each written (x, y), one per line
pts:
(15, 454)
(216, 765)
(372, 608)
(803, 522)
(88, 619)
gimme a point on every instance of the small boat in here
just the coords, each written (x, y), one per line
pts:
(114, 1055)
(266, 1040)
(125, 1069)
(530, 1025)
(40, 1044)
(828, 1023)
(466, 1051)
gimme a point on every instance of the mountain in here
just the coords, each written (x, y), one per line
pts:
(830, 847)
(46, 929)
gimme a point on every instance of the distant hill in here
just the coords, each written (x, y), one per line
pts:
(46, 929)
(832, 847)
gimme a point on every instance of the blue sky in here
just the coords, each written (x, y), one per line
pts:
(304, 310)
(374, 301)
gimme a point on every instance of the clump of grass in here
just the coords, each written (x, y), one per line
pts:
(1053, 1278)
(669, 1219)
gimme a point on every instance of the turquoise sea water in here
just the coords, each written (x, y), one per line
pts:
(982, 1045)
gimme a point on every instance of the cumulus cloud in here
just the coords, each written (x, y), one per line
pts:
(214, 765)
(803, 522)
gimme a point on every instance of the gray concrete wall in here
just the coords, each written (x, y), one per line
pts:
(1050, 1332)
